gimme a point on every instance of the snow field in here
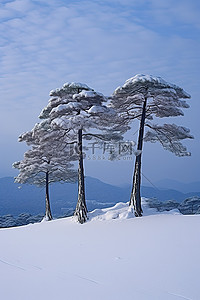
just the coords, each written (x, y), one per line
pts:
(111, 257)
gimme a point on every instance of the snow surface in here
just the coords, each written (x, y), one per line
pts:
(86, 94)
(113, 256)
(76, 85)
(141, 78)
(71, 85)
(70, 105)
(95, 109)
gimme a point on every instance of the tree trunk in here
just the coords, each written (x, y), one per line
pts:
(48, 215)
(81, 208)
(135, 199)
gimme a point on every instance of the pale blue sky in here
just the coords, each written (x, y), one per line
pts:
(45, 43)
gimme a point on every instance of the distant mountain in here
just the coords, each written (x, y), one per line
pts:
(179, 186)
(16, 199)
(166, 194)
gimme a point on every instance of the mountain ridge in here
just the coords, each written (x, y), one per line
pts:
(16, 198)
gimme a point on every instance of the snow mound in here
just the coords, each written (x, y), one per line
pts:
(123, 211)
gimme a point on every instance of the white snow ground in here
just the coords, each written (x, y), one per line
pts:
(111, 257)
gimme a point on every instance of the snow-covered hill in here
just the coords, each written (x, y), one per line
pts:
(112, 257)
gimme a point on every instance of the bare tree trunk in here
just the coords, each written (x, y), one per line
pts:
(81, 208)
(48, 214)
(135, 199)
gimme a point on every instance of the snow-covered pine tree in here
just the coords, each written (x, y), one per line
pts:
(74, 109)
(48, 161)
(145, 97)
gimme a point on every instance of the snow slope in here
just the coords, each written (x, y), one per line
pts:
(112, 257)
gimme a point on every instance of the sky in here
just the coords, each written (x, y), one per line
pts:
(44, 44)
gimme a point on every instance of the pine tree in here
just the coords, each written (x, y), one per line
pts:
(145, 97)
(46, 162)
(75, 109)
